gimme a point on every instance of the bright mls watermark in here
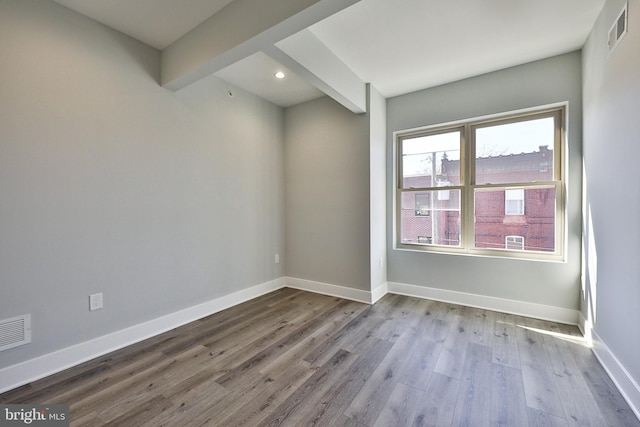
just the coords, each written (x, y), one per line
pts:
(34, 415)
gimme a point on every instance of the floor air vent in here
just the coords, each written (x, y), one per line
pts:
(15, 331)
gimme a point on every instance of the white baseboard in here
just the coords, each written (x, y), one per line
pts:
(521, 308)
(40, 367)
(328, 289)
(625, 383)
(379, 292)
(586, 328)
(583, 324)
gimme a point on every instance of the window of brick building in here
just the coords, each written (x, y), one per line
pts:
(423, 204)
(514, 242)
(514, 202)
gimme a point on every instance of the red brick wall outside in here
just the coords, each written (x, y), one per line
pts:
(537, 225)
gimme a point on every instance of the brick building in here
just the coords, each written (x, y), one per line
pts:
(504, 219)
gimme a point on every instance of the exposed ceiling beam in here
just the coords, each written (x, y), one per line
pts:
(304, 54)
(240, 29)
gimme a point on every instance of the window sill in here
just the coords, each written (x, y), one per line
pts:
(479, 253)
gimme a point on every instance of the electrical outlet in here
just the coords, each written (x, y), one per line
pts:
(277, 258)
(95, 302)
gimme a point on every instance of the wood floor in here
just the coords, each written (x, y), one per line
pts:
(295, 358)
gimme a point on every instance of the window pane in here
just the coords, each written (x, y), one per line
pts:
(515, 152)
(431, 161)
(535, 228)
(514, 202)
(430, 217)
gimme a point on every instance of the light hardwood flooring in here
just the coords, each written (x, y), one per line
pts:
(295, 358)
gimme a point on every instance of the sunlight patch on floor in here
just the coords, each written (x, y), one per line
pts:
(575, 339)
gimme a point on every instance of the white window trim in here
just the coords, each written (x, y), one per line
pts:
(514, 239)
(508, 207)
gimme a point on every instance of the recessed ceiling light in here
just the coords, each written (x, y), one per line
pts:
(279, 75)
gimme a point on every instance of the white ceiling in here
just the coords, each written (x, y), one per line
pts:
(255, 74)
(399, 46)
(403, 46)
(157, 23)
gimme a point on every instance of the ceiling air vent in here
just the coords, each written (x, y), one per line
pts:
(618, 29)
(15, 331)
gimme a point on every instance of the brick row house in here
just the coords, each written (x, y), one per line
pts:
(503, 219)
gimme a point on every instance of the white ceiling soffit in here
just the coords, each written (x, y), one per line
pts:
(255, 74)
(404, 46)
(157, 23)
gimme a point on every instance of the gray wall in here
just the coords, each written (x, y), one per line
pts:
(543, 82)
(109, 183)
(327, 194)
(612, 202)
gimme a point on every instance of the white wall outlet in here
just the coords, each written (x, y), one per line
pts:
(95, 302)
(277, 258)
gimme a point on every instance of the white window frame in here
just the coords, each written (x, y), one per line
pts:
(509, 241)
(514, 208)
(468, 187)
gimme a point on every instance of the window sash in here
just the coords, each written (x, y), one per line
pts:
(540, 243)
(434, 182)
(440, 227)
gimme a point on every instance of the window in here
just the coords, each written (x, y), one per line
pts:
(423, 204)
(515, 242)
(426, 168)
(486, 186)
(514, 202)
